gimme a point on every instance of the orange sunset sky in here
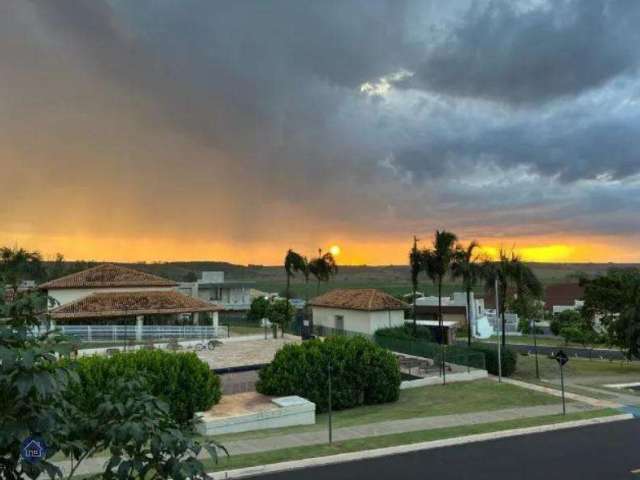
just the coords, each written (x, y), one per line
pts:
(157, 131)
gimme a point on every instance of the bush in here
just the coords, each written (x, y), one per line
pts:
(182, 380)
(507, 355)
(362, 373)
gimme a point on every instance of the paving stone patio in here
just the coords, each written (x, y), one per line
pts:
(255, 351)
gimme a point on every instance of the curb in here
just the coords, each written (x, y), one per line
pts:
(414, 447)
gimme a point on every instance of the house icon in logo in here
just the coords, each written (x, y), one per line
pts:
(33, 449)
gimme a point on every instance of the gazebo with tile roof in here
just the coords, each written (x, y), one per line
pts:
(108, 291)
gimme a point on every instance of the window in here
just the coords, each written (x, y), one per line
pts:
(339, 322)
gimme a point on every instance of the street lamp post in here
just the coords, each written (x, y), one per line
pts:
(497, 319)
(535, 349)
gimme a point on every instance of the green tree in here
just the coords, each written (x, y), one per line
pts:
(323, 268)
(32, 386)
(437, 263)
(564, 319)
(415, 265)
(466, 267)
(279, 313)
(258, 309)
(18, 264)
(614, 300)
(294, 263)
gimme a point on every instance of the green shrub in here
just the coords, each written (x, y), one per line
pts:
(182, 380)
(362, 373)
(507, 355)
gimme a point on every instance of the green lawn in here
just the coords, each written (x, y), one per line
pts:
(369, 443)
(463, 397)
(542, 340)
(575, 368)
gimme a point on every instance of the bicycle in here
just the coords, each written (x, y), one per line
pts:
(210, 345)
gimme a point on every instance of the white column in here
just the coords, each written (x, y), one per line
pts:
(195, 317)
(214, 322)
(52, 324)
(139, 324)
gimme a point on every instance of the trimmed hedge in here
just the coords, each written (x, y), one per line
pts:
(507, 355)
(405, 332)
(362, 373)
(182, 380)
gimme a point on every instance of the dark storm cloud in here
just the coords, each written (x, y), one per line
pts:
(503, 52)
(233, 118)
(564, 146)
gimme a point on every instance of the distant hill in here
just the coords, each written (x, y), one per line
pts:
(392, 278)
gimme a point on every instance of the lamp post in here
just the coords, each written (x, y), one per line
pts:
(497, 319)
(535, 348)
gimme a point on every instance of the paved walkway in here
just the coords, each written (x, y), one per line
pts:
(248, 446)
(245, 351)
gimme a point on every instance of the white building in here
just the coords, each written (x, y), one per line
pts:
(454, 312)
(111, 293)
(357, 310)
(212, 287)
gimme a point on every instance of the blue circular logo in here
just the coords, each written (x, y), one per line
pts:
(33, 449)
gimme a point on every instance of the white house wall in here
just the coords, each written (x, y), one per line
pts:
(358, 320)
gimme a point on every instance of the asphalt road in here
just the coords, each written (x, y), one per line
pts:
(603, 452)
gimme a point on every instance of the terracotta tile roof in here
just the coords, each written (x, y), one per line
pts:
(108, 275)
(562, 294)
(368, 299)
(114, 304)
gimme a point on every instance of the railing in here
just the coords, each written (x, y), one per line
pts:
(454, 354)
(119, 333)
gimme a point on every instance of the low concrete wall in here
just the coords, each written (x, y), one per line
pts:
(287, 412)
(451, 378)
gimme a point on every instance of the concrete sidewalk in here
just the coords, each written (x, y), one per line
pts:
(248, 446)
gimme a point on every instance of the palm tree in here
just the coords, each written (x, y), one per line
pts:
(293, 262)
(466, 267)
(415, 263)
(498, 273)
(510, 271)
(323, 267)
(437, 263)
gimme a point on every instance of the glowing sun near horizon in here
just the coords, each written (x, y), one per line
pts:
(334, 250)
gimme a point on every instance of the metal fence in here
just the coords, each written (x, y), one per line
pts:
(120, 333)
(455, 354)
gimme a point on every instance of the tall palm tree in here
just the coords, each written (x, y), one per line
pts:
(498, 272)
(293, 262)
(415, 263)
(323, 267)
(437, 263)
(511, 272)
(466, 267)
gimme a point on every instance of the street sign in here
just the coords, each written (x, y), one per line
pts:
(561, 358)
(33, 450)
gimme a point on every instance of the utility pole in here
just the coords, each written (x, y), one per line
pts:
(535, 349)
(330, 423)
(499, 345)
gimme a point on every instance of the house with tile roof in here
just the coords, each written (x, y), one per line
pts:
(112, 294)
(357, 310)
